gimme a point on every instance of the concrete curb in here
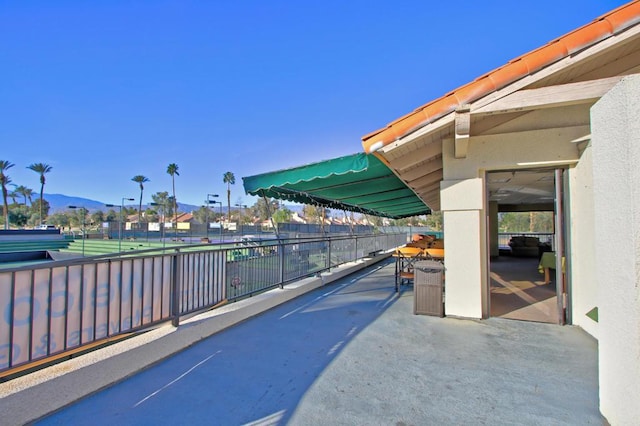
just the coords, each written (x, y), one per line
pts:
(30, 397)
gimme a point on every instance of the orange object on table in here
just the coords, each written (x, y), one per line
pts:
(435, 253)
(422, 244)
(437, 244)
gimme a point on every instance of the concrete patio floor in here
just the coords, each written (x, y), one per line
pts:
(353, 353)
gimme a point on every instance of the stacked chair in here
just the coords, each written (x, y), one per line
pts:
(421, 247)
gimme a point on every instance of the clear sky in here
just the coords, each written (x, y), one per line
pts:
(106, 90)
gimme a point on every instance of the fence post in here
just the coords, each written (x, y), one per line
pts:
(175, 291)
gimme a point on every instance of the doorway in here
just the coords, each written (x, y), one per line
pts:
(524, 232)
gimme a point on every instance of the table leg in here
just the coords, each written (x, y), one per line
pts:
(397, 273)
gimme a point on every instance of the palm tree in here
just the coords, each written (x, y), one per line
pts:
(24, 192)
(172, 169)
(41, 169)
(229, 179)
(140, 180)
(28, 193)
(14, 194)
(4, 180)
(162, 199)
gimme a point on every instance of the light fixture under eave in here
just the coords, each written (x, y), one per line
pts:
(582, 143)
(376, 146)
(585, 138)
(500, 180)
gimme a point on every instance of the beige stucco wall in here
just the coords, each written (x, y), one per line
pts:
(616, 186)
(465, 226)
(584, 289)
(462, 202)
(505, 151)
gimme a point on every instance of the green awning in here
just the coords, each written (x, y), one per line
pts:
(359, 183)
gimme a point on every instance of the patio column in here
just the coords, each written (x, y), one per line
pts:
(615, 133)
(464, 225)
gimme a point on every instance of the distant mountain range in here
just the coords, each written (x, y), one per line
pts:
(61, 203)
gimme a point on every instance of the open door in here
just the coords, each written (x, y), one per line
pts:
(561, 289)
(528, 229)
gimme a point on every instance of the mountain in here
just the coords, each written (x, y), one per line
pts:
(61, 203)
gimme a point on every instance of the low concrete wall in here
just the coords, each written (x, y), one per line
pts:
(25, 256)
(30, 234)
(30, 397)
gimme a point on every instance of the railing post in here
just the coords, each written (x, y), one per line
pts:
(282, 262)
(175, 290)
(329, 253)
(356, 253)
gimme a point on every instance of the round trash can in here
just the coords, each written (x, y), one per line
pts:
(428, 288)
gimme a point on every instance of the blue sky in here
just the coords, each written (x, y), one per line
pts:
(104, 91)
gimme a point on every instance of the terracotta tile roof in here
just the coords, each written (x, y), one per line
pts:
(185, 217)
(605, 26)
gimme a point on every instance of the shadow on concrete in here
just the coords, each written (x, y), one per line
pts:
(257, 370)
(353, 353)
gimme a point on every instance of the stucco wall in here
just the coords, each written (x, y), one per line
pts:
(462, 202)
(616, 186)
(505, 151)
(584, 289)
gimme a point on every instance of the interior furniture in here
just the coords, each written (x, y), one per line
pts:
(547, 262)
(524, 246)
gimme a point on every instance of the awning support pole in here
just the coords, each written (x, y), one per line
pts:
(273, 224)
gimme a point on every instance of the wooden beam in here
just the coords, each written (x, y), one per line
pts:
(549, 97)
(430, 194)
(427, 167)
(416, 156)
(427, 188)
(426, 179)
(564, 134)
(433, 202)
(489, 123)
(462, 127)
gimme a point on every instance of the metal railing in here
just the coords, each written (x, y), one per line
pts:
(193, 232)
(54, 308)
